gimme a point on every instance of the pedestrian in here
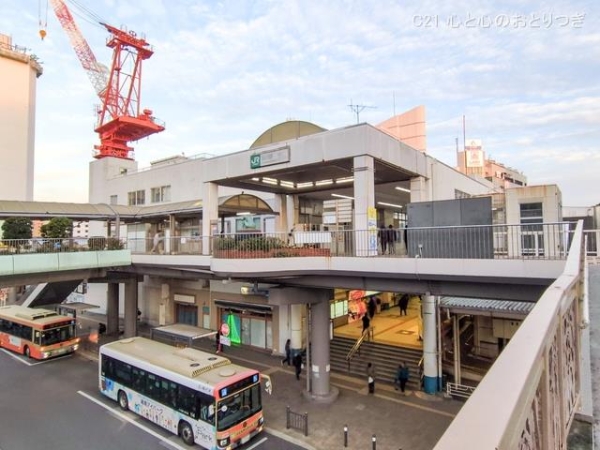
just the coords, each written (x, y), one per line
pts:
(218, 345)
(366, 322)
(371, 377)
(402, 375)
(383, 238)
(155, 242)
(288, 353)
(403, 304)
(298, 364)
(372, 307)
(391, 238)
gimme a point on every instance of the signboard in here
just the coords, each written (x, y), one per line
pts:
(269, 158)
(474, 153)
(372, 227)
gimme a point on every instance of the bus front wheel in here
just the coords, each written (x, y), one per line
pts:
(123, 402)
(186, 433)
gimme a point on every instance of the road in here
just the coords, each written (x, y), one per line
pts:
(56, 404)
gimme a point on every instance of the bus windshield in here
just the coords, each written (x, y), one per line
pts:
(237, 407)
(56, 335)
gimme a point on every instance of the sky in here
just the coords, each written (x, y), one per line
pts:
(525, 76)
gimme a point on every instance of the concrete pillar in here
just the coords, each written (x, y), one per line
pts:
(112, 308)
(318, 367)
(456, 343)
(296, 327)
(282, 227)
(210, 214)
(430, 360)
(365, 215)
(419, 190)
(131, 308)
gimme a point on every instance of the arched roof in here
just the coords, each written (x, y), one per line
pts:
(291, 129)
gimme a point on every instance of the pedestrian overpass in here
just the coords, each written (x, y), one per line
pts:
(532, 393)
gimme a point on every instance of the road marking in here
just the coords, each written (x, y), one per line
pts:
(122, 416)
(21, 359)
(256, 444)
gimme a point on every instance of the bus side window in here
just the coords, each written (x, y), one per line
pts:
(207, 408)
(169, 393)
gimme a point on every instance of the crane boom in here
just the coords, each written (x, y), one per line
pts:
(119, 89)
(97, 73)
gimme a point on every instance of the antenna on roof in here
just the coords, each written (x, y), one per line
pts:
(358, 109)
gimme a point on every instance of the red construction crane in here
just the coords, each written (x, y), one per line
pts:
(119, 88)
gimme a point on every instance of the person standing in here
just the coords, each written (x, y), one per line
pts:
(155, 242)
(298, 364)
(403, 304)
(391, 238)
(383, 238)
(371, 377)
(366, 324)
(288, 353)
(402, 376)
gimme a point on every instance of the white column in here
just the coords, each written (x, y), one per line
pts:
(210, 214)
(281, 222)
(430, 361)
(419, 191)
(365, 225)
(296, 327)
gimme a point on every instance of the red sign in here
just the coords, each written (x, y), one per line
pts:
(224, 329)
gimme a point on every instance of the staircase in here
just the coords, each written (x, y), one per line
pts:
(385, 358)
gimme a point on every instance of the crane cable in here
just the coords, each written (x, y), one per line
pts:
(81, 11)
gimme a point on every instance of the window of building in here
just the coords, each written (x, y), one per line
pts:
(136, 198)
(114, 199)
(161, 194)
(460, 194)
(532, 233)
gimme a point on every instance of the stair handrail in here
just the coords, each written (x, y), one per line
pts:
(356, 347)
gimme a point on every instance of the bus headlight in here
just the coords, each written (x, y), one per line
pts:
(75, 347)
(45, 354)
(261, 420)
(224, 442)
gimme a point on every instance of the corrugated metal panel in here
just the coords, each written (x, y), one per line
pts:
(479, 304)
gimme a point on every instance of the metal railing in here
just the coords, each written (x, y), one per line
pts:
(533, 389)
(298, 421)
(367, 334)
(58, 245)
(459, 390)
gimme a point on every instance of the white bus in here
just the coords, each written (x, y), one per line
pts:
(203, 398)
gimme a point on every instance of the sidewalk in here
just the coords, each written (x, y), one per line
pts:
(412, 422)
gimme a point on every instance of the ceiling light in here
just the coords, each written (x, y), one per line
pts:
(342, 196)
(270, 180)
(345, 180)
(390, 204)
(323, 182)
(399, 188)
(304, 185)
(243, 214)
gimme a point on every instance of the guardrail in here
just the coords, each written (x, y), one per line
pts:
(529, 396)
(58, 245)
(459, 390)
(299, 421)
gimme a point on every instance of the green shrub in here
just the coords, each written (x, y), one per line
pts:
(114, 244)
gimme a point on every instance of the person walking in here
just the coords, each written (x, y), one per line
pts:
(288, 353)
(402, 375)
(366, 322)
(155, 242)
(383, 238)
(372, 307)
(371, 377)
(298, 364)
(403, 304)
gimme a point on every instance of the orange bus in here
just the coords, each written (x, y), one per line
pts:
(37, 333)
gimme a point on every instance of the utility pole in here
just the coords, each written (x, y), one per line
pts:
(357, 109)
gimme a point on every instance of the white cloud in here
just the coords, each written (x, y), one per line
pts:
(223, 72)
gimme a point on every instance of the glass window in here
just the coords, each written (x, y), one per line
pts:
(59, 334)
(160, 194)
(238, 407)
(136, 198)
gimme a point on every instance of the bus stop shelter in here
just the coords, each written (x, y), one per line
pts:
(180, 334)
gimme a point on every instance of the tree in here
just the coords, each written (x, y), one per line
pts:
(58, 228)
(17, 228)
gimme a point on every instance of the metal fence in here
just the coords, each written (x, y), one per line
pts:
(531, 241)
(298, 421)
(459, 390)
